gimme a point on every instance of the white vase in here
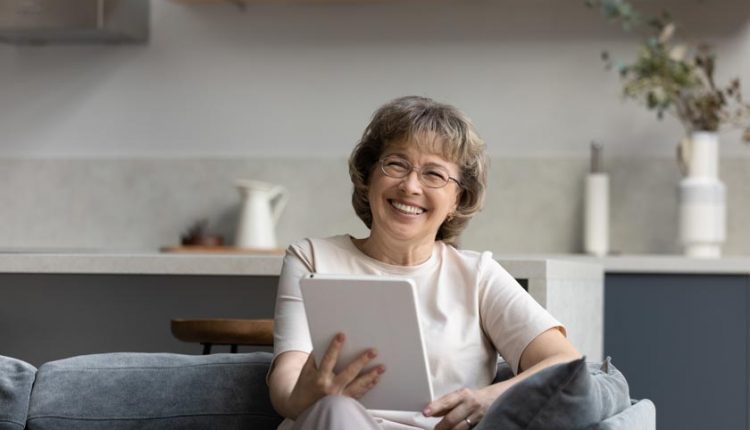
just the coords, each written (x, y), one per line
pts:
(702, 199)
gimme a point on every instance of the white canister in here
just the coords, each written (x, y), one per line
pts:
(596, 214)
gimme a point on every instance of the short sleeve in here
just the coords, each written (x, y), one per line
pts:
(510, 317)
(290, 331)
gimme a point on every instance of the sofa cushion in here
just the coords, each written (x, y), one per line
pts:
(565, 396)
(150, 391)
(16, 380)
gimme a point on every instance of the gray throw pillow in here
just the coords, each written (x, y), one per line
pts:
(153, 391)
(564, 396)
(16, 380)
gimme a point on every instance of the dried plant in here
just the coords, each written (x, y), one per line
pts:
(675, 78)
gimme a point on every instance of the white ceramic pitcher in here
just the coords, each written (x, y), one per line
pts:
(262, 204)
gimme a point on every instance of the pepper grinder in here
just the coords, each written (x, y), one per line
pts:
(596, 201)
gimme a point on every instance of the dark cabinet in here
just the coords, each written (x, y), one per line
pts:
(682, 341)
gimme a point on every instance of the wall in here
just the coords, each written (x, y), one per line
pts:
(125, 146)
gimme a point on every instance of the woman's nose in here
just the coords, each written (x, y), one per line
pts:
(411, 182)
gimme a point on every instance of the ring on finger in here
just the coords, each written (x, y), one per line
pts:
(468, 422)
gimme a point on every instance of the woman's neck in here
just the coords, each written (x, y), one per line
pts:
(395, 252)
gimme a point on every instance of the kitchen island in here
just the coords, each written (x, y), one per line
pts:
(679, 329)
(58, 304)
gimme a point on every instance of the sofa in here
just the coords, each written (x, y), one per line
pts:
(228, 391)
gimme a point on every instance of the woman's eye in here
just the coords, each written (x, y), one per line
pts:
(436, 174)
(396, 164)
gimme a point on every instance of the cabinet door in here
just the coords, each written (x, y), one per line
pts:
(47, 317)
(682, 341)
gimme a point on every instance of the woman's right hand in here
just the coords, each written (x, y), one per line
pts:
(316, 382)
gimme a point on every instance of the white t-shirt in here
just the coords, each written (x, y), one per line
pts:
(471, 308)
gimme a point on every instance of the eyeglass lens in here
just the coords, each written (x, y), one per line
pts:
(431, 175)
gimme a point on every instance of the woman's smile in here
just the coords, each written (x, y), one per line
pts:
(406, 208)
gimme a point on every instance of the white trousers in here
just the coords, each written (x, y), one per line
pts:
(336, 413)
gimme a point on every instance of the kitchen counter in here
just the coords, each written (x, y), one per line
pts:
(151, 262)
(114, 301)
(140, 263)
(666, 264)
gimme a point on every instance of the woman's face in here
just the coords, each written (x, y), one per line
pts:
(404, 208)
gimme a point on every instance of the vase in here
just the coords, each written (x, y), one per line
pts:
(702, 199)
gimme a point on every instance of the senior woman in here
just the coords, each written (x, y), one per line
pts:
(419, 175)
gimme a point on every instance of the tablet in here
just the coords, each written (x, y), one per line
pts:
(373, 312)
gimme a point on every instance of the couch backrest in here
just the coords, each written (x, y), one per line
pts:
(147, 390)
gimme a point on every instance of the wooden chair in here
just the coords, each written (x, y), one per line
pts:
(233, 332)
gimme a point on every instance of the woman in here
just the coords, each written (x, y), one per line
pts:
(419, 175)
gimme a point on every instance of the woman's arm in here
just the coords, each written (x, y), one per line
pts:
(545, 350)
(283, 378)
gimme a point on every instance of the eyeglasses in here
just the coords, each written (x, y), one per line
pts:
(431, 176)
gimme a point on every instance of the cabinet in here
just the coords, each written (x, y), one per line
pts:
(682, 341)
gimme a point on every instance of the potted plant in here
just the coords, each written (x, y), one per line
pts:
(675, 78)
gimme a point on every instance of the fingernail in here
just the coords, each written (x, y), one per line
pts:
(340, 337)
(372, 353)
(381, 369)
(426, 412)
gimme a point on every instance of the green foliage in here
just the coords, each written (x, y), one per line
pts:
(674, 78)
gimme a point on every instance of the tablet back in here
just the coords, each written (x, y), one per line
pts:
(373, 312)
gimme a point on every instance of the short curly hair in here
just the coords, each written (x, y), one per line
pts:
(439, 128)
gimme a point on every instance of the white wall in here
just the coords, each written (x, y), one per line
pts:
(302, 80)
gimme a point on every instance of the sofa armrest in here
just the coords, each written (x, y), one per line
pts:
(641, 415)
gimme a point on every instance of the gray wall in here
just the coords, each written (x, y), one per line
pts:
(533, 204)
(125, 146)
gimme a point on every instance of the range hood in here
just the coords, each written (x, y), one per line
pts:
(74, 21)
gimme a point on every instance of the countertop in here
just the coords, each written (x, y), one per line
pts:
(140, 263)
(666, 264)
(154, 262)
(43, 261)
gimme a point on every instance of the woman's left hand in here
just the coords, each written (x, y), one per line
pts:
(461, 409)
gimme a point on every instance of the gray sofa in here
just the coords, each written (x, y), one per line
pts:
(227, 391)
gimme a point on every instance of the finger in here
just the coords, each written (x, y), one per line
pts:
(445, 423)
(443, 405)
(456, 417)
(352, 370)
(453, 422)
(472, 420)
(365, 382)
(469, 422)
(328, 362)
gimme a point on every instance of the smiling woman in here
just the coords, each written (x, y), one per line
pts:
(441, 131)
(419, 175)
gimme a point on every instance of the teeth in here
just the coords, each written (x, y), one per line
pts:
(407, 209)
